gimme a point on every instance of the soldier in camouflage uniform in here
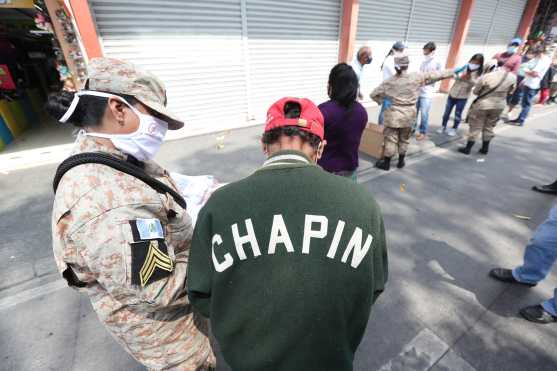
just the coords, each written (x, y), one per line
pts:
(492, 90)
(401, 92)
(118, 240)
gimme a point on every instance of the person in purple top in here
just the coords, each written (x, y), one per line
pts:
(345, 120)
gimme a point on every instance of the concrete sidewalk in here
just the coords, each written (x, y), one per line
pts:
(449, 219)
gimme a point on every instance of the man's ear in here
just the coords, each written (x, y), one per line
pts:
(264, 148)
(117, 109)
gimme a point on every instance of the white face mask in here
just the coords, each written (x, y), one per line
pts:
(473, 66)
(143, 144)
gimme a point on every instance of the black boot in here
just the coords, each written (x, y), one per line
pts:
(485, 147)
(401, 162)
(466, 150)
(384, 164)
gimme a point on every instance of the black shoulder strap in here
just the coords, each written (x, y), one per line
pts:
(120, 165)
(492, 89)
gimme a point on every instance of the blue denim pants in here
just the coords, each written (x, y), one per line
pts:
(540, 254)
(451, 102)
(527, 98)
(423, 106)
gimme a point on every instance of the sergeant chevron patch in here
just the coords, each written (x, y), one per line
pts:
(150, 262)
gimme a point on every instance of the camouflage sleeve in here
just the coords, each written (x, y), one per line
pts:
(378, 94)
(141, 270)
(434, 76)
(200, 270)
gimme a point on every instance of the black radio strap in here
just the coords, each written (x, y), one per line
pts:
(120, 165)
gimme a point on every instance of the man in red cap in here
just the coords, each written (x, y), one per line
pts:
(287, 262)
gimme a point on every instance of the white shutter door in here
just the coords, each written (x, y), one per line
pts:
(292, 47)
(195, 48)
(432, 20)
(380, 24)
(494, 23)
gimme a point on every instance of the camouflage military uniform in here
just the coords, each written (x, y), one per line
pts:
(484, 114)
(403, 91)
(93, 236)
(127, 246)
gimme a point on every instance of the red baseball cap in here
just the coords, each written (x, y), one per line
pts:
(310, 120)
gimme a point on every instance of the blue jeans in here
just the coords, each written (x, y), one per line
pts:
(516, 96)
(423, 106)
(539, 256)
(451, 102)
(527, 98)
(381, 115)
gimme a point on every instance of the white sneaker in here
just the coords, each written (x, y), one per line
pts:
(441, 130)
(451, 132)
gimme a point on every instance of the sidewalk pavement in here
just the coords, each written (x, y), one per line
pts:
(449, 219)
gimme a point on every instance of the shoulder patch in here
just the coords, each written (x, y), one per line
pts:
(150, 262)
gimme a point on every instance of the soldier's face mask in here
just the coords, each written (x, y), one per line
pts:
(143, 144)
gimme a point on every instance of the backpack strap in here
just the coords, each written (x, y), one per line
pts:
(118, 164)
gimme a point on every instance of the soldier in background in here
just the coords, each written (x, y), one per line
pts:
(116, 238)
(399, 95)
(492, 90)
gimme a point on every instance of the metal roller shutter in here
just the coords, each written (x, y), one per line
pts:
(493, 24)
(194, 47)
(417, 22)
(292, 47)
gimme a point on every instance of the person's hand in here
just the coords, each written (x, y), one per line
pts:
(460, 69)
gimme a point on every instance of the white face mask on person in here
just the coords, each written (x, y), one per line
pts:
(143, 144)
(473, 66)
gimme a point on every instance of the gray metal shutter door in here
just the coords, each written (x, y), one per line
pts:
(381, 24)
(195, 48)
(432, 20)
(292, 47)
(507, 20)
(493, 24)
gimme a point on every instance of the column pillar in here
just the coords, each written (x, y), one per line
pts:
(349, 26)
(527, 18)
(459, 37)
(86, 26)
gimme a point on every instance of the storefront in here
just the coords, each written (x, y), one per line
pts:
(493, 24)
(38, 56)
(225, 62)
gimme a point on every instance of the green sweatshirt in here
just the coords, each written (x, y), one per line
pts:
(287, 263)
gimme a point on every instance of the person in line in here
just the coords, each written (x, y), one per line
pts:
(288, 262)
(362, 58)
(429, 64)
(400, 94)
(545, 84)
(539, 257)
(516, 96)
(532, 82)
(511, 58)
(345, 121)
(388, 69)
(117, 239)
(491, 92)
(459, 93)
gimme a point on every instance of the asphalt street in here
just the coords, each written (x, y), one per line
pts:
(449, 219)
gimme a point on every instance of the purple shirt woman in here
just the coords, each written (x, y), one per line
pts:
(345, 120)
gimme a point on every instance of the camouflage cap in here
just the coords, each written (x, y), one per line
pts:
(402, 60)
(121, 77)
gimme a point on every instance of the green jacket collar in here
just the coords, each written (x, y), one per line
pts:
(286, 158)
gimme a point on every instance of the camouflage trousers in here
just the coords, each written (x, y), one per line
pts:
(396, 138)
(483, 122)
